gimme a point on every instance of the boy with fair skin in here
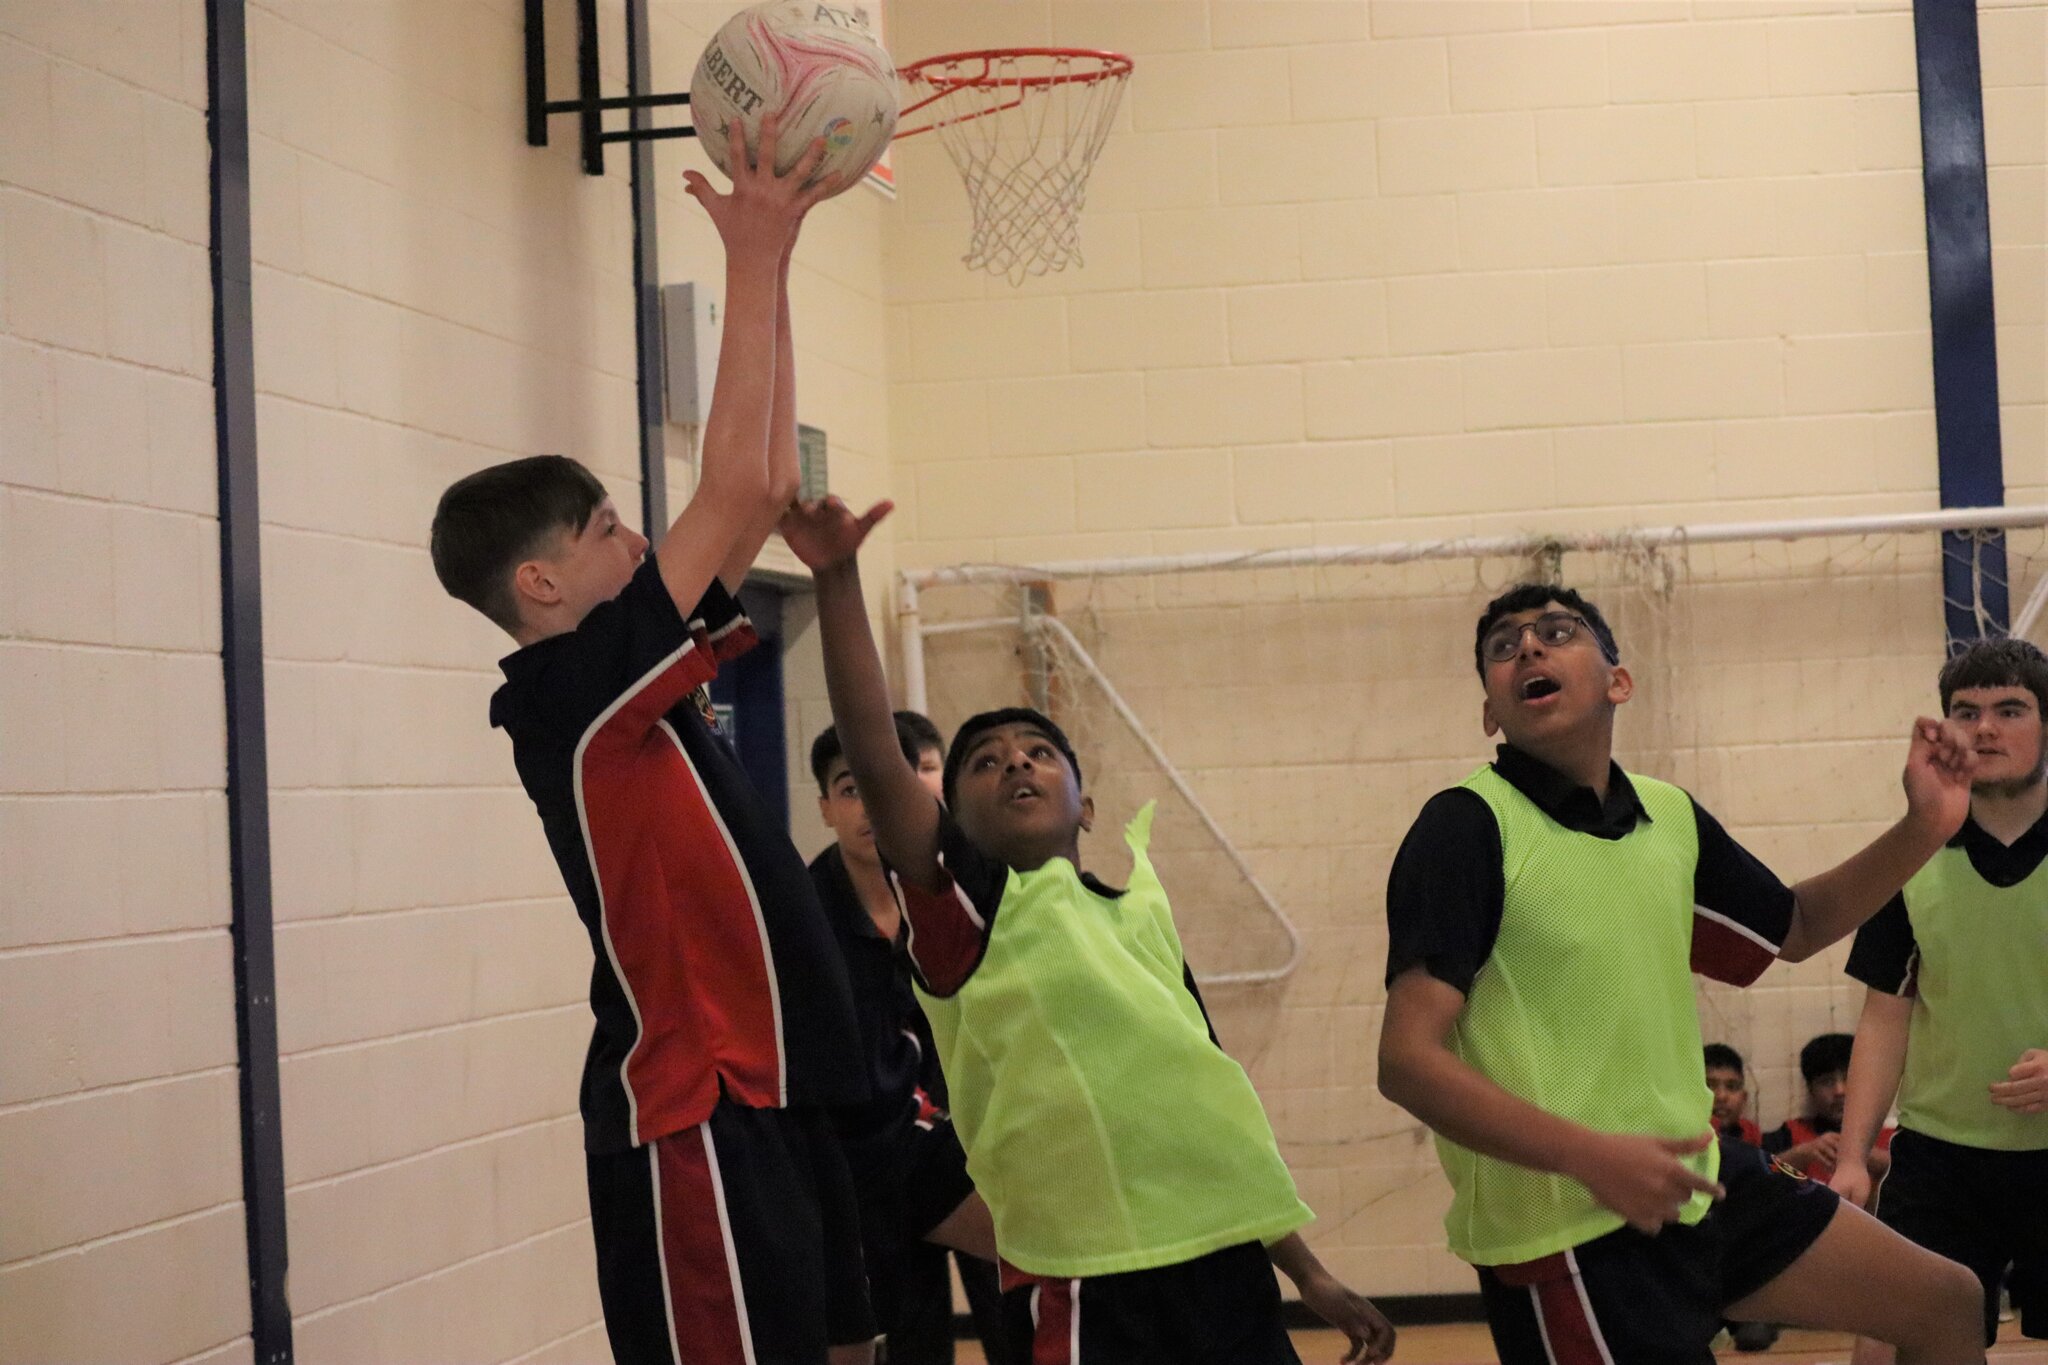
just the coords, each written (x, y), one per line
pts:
(1540, 1017)
(1130, 1170)
(720, 1204)
(909, 1171)
(1956, 1007)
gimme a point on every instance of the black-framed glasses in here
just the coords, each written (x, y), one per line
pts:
(1554, 629)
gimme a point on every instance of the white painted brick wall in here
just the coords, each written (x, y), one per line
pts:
(121, 1218)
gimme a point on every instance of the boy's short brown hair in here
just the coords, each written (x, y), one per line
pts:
(487, 522)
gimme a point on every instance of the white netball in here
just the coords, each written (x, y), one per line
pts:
(819, 64)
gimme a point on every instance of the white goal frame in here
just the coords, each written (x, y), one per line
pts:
(912, 582)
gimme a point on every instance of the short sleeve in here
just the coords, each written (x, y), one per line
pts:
(1741, 910)
(1446, 891)
(1778, 1141)
(1886, 956)
(949, 925)
(630, 659)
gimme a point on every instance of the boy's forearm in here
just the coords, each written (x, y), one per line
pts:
(1833, 904)
(901, 810)
(1875, 1067)
(1293, 1258)
(735, 447)
(1457, 1102)
(782, 463)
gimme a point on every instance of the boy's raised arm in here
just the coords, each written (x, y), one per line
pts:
(737, 488)
(826, 536)
(785, 475)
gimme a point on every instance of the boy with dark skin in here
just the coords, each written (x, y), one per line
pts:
(1809, 1142)
(1128, 1165)
(1728, 1078)
(1955, 1010)
(1541, 918)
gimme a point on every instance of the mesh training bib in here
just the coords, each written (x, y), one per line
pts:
(1983, 983)
(1585, 1009)
(1105, 1130)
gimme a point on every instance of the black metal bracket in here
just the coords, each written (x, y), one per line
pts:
(588, 106)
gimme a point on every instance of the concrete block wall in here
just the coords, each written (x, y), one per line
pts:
(433, 295)
(1361, 272)
(121, 1225)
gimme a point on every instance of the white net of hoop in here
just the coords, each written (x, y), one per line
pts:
(1024, 130)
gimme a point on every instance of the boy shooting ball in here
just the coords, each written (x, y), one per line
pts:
(1129, 1167)
(720, 1202)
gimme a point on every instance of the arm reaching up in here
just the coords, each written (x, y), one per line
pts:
(737, 490)
(827, 537)
(785, 473)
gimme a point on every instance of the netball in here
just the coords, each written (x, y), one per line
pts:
(818, 65)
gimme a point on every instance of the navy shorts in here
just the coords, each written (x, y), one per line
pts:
(733, 1241)
(1219, 1309)
(908, 1179)
(1983, 1209)
(1658, 1300)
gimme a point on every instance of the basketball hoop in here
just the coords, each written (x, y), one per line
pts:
(1023, 125)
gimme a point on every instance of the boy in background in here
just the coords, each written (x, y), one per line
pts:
(909, 1171)
(1955, 1010)
(1809, 1143)
(1729, 1080)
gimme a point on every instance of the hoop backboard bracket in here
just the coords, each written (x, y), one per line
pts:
(588, 106)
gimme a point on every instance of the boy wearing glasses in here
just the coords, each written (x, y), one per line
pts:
(1544, 920)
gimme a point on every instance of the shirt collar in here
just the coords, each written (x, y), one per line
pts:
(842, 898)
(1974, 834)
(1565, 801)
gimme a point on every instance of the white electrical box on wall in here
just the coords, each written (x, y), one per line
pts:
(689, 326)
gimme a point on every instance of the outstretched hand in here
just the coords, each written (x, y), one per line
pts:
(763, 210)
(825, 534)
(1939, 766)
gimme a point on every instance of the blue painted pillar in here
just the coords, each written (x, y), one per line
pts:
(1959, 288)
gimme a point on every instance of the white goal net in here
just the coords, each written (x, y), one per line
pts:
(1290, 714)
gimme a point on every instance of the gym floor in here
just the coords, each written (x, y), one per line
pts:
(1468, 1344)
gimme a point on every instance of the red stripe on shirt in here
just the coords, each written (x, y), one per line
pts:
(678, 915)
(1725, 953)
(946, 933)
(700, 1269)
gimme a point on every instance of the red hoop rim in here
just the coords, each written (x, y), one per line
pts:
(1113, 64)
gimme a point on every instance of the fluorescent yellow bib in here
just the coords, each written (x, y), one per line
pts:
(1983, 1000)
(1103, 1127)
(1584, 1009)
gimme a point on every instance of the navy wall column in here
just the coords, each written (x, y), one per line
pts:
(1959, 287)
(241, 587)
